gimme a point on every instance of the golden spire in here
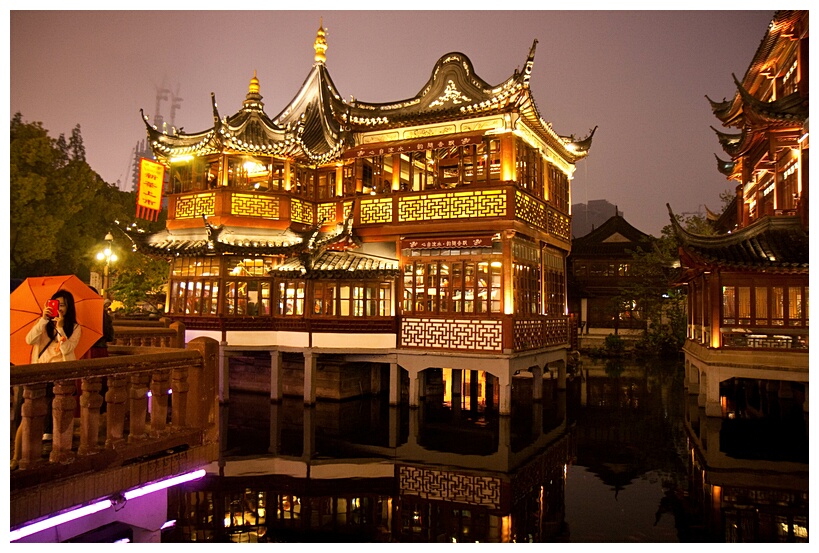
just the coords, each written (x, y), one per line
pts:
(321, 43)
(254, 84)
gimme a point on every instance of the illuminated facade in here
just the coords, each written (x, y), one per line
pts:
(748, 287)
(430, 232)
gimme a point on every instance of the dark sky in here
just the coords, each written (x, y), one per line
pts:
(641, 76)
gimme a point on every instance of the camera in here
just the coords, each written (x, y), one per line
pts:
(54, 306)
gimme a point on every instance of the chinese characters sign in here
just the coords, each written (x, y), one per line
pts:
(405, 146)
(149, 197)
(466, 242)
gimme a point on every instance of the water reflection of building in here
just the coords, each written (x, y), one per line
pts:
(747, 482)
(361, 245)
(618, 419)
(748, 288)
(371, 478)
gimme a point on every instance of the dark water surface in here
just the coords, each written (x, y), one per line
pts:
(623, 455)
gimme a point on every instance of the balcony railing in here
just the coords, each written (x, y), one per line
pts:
(158, 417)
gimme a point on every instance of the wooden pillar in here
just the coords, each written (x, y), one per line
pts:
(505, 390)
(537, 383)
(275, 428)
(713, 408)
(340, 182)
(62, 410)
(561, 374)
(224, 373)
(276, 376)
(310, 369)
(415, 384)
(395, 384)
(456, 386)
(715, 297)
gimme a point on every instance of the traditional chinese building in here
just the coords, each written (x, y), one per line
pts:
(600, 265)
(748, 288)
(362, 242)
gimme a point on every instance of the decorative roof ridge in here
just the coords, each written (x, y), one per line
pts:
(758, 227)
(725, 167)
(615, 223)
(791, 107)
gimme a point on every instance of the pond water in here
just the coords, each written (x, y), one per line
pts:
(623, 455)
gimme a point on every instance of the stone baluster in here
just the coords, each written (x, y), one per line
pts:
(179, 399)
(32, 421)
(115, 411)
(90, 404)
(62, 408)
(160, 382)
(138, 395)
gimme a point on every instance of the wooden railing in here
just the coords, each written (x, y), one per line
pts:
(160, 408)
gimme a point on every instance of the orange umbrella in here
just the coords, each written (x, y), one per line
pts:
(26, 305)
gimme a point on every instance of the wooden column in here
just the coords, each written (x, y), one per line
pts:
(276, 376)
(310, 370)
(395, 384)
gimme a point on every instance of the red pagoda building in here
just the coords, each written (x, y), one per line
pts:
(748, 287)
(421, 240)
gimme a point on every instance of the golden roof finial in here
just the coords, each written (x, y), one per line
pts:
(254, 84)
(321, 42)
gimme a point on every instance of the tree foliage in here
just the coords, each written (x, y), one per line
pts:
(60, 210)
(655, 266)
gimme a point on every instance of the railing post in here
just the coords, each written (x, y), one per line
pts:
(179, 327)
(179, 398)
(32, 420)
(203, 398)
(90, 403)
(138, 395)
(160, 382)
(62, 409)
(115, 411)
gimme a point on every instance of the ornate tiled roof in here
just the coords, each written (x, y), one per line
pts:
(614, 238)
(341, 265)
(770, 244)
(784, 26)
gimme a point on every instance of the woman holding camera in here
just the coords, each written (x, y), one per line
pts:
(53, 338)
(56, 333)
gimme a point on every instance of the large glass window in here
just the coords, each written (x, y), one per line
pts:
(449, 286)
(554, 273)
(764, 305)
(558, 188)
(365, 299)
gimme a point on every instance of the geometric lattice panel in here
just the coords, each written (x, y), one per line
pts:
(450, 486)
(453, 205)
(301, 212)
(378, 210)
(539, 332)
(250, 205)
(453, 334)
(189, 207)
(530, 210)
(559, 225)
(327, 212)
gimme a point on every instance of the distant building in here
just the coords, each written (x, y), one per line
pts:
(748, 288)
(600, 264)
(588, 216)
(420, 240)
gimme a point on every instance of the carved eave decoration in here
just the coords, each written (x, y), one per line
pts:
(771, 244)
(735, 144)
(782, 36)
(792, 110)
(727, 168)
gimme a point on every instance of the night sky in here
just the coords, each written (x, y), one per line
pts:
(640, 76)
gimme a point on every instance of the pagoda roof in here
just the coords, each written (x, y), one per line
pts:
(249, 131)
(243, 241)
(454, 92)
(317, 125)
(614, 238)
(778, 244)
(736, 112)
(340, 265)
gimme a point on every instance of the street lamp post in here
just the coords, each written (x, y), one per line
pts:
(108, 256)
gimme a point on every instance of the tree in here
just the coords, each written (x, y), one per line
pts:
(60, 209)
(141, 281)
(656, 266)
